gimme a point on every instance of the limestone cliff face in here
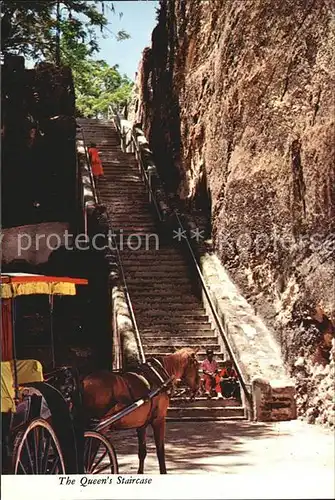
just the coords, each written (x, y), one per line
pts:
(236, 100)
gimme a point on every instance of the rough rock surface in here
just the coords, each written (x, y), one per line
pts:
(236, 100)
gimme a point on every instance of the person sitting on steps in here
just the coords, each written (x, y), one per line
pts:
(229, 381)
(211, 377)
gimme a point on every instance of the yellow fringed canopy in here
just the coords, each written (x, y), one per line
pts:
(13, 285)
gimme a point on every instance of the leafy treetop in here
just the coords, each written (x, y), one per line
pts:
(30, 28)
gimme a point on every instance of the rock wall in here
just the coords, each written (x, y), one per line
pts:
(236, 100)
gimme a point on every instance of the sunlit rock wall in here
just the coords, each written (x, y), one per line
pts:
(236, 98)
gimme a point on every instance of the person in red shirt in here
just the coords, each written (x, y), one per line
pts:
(211, 378)
(97, 169)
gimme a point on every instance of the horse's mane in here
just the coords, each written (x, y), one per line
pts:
(175, 363)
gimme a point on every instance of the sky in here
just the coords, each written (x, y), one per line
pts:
(138, 20)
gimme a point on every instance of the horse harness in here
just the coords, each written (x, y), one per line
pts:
(152, 373)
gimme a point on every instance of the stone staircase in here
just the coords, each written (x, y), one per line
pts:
(168, 312)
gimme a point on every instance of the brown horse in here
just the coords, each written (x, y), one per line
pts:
(106, 393)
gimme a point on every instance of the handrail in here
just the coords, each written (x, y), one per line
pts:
(243, 383)
(125, 288)
(88, 161)
(152, 198)
(213, 310)
(112, 237)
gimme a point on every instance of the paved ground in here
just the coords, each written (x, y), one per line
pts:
(281, 448)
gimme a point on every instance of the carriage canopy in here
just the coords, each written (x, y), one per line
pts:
(16, 284)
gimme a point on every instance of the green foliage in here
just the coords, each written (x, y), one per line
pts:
(30, 28)
(99, 85)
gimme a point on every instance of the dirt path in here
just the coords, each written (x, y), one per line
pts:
(281, 448)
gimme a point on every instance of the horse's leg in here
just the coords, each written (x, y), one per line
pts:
(158, 426)
(142, 448)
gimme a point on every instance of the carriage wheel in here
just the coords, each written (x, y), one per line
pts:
(37, 450)
(99, 455)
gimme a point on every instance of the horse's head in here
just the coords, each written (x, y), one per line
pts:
(190, 375)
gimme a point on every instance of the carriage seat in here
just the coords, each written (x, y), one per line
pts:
(7, 388)
(28, 371)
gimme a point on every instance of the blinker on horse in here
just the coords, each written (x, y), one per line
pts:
(106, 393)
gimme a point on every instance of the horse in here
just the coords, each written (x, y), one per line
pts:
(105, 393)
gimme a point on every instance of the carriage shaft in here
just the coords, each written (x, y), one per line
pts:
(129, 409)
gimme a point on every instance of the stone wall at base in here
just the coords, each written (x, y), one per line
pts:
(253, 344)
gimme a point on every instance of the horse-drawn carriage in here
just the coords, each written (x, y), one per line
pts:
(53, 420)
(42, 419)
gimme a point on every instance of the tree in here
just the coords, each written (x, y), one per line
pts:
(97, 86)
(66, 31)
(33, 28)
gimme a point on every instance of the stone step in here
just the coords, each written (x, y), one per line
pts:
(129, 188)
(123, 182)
(171, 348)
(115, 152)
(115, 209)
(120, 223)
(142, 300)
(152, 283)
(122, 227)
(166, 306)
(138, 298)
(124, 173)
(158, 266)
(125, 163)
(197, 413)
(117, 160)
(165, 316)
(119, 169)
(157, 290)
(133, 218)
(127, 207)
(146, 222)
(134, 228)
(201, 355)
(204, 402)
(123, 177)
(175, 341)
(164, 331)
(127, 197)
(110, 147)
(178, 321)
(159, 274)
(166, 255)
(166, 263)
(120, 195)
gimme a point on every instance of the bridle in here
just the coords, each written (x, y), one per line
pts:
(192, 362)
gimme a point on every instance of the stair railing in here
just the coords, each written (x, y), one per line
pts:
(117, 122)
(112, 238)
(213, 310)
(87, 203)
(112, 243)
(160, 205)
